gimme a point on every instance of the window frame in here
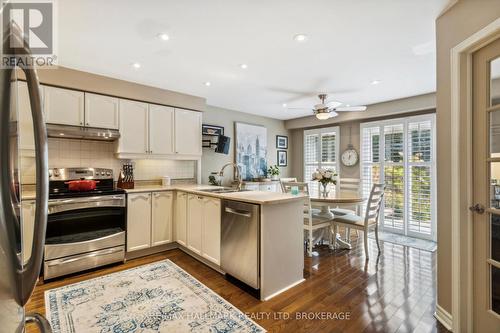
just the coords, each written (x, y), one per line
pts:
(405, 121)
(319, 132)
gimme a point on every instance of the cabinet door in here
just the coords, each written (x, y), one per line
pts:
(133, 127)
(161, 213)
(211, 229)
(138, 221)
(63, 106)
(101, 111)
(187, 132)
(181, 218)
(28, 225)
(161, 129)
(269, 188)
(194, 223)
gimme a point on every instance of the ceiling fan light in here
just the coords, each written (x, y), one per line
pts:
(323, 115)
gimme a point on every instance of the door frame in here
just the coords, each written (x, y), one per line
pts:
(461, 237)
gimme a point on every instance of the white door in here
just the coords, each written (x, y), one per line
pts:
(161, 129)
(63, 106)
(101, 111)
(194, 222)
(28, 221)
(161, 227)
(486, 188)
(134, 128)
(187, 132)
(138, 221)
(211, 229)
(181, 218)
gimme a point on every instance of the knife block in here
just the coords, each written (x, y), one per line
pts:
(124, 184)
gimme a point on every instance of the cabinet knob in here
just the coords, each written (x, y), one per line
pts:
(87, 124)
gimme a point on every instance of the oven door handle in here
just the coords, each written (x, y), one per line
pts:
(84, 256)
(64, 205)
(58, 202)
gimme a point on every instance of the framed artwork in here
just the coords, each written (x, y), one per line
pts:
(281, 142)
(251, 150)
(282, 158)
(212, 130)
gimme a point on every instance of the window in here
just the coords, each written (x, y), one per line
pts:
(400, 153)
(320, 151)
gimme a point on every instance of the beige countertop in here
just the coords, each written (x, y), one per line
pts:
(256, 197)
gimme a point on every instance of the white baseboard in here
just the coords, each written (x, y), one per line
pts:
(444, 317)
(282, 290)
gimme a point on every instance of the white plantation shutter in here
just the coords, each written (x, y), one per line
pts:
(402, 158)
(420, 177)
(320, 151)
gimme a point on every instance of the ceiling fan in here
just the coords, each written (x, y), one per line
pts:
(326, 110)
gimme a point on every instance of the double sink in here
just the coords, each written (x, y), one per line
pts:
(222, 190)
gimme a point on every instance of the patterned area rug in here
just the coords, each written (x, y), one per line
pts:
(417, 243)
(159, 297)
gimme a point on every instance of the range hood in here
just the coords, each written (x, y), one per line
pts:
(82, 133)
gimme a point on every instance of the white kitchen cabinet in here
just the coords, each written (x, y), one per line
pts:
(181, 218)
(138, 221)
(134, 128)
(64, 106)
(161, 213)
(101, 111)
(161, 130)
(194, 222)
(187, 132)
(269, 187)
(210, 244)
(28, 225)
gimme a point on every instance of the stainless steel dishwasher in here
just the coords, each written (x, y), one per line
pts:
(240, 241)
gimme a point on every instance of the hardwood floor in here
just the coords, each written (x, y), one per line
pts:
(395, 292)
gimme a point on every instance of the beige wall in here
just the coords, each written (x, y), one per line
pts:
(212, 161)
(454, 26)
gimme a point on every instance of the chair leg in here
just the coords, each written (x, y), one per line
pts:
(334, 236)
(310, 243)
(376, 238)
(365, 236)
(347, 234)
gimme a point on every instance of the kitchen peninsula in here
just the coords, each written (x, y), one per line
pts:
(191, 217)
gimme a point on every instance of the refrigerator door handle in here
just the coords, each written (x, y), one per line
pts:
(40, 321)
(28, 275)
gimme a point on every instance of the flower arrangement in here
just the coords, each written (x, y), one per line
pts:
(273, 170)
(325, 176)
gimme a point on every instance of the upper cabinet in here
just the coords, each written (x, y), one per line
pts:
(134, 128)
(101, 111)
(64, 106)
(187, 132)
(161, 134)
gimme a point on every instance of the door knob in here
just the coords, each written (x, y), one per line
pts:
(477, 208)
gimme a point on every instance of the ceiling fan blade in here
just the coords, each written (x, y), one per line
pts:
(350, 108)
(299, 108)
(333, 104)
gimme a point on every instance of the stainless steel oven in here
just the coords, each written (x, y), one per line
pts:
(84, 230)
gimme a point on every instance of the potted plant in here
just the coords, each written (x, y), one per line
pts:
(325, 177)
(274, 171)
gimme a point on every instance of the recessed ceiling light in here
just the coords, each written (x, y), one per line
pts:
(348, 105)
(163, 36)
(208, 84)
(61, 134)
(243, 66)
(300, 38)
(284, 105)
(375, 82)
(136, 65)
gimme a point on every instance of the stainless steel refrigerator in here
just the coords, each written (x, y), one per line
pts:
(18, 277)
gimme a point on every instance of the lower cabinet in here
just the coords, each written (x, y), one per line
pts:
(149, 220)
(181, 218)
(203, 226)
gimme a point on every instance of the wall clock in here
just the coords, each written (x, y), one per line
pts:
(350, 155)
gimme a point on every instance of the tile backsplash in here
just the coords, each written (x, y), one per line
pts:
(65, 153)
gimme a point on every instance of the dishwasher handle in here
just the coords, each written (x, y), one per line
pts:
(239, 212)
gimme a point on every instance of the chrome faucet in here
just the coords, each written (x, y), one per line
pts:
(237, 173)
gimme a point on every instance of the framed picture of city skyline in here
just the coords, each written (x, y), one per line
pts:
(251, 150)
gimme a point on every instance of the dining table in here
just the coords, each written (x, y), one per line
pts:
(332, 200)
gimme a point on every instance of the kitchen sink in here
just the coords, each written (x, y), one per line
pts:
(222, 190)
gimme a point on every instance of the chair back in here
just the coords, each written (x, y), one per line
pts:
(349, 185)
(303, 189)
(287, 180)
(374, 203)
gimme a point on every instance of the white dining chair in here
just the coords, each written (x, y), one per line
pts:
(312, 222)
(352, 186)
(369, 221)
(287, 180)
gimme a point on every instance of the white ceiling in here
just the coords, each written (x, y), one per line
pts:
(350, 44)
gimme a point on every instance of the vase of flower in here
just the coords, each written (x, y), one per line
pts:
(325, 177)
